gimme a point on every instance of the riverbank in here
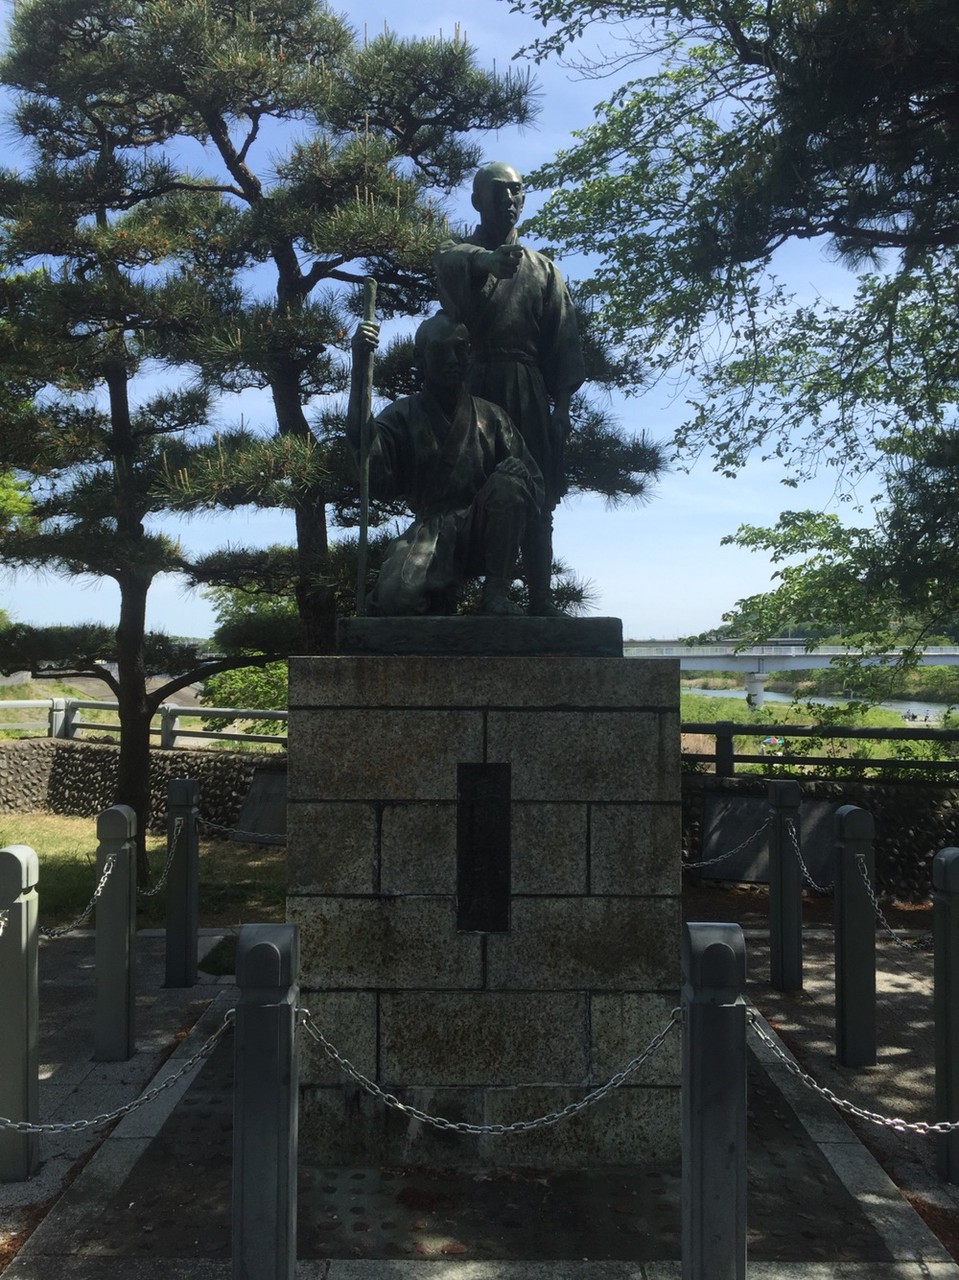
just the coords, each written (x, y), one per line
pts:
(932, 684)
(911, 712)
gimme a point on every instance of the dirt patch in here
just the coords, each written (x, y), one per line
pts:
(941, 1221)
(748, 905)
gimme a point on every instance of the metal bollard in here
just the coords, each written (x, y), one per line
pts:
(114, 1022)
(19, 1053)
(855, 939)
(785, 888)
(714, 1102)
(945, 926)
(183, 881)
(265, 1103)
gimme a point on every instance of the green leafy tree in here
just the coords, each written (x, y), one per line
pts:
(739, 127)
(889, 586)
(756, 124)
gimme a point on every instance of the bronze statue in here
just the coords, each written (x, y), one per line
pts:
(526, 348)
(462, 469)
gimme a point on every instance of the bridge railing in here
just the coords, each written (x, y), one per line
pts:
(725, 755)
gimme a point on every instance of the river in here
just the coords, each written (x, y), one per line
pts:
(920, 710)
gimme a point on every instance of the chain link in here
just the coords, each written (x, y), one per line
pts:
(462, 1126)
(914, 945)
(177, 830)
(70, 1126)
(713, 862)
(797, 850)
(886, 1122)
(4, 917)
(236, 831)
(63, 930)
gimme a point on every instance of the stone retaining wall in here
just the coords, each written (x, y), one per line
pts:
(914, 820)
(79, 778)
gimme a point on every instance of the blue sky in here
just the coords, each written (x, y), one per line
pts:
(659, 567)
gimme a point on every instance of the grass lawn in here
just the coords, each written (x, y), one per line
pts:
(239, 883)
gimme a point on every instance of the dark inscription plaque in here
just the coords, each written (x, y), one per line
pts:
(482, 848)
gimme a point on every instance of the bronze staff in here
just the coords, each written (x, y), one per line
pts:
(366, 408)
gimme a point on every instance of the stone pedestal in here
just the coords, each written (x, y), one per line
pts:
(488, 1027)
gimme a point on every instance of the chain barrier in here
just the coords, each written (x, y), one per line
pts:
(825, 890)
(70, 1126)
(462, 1126)
(915, 944)
(4, 917)
(922, 1127)
(713, 862)
(257, 836)
(63, 930)
(178, 824)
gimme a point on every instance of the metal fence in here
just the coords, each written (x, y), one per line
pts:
(66, 717)
(776, 748)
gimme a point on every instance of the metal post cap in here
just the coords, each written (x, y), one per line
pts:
(714, 960)
(19, 871)
(945, 870)
(785, 793)
(267, 955)
(118, 823)
(853, 823)
(185, 791)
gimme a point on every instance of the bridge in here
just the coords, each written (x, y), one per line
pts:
(774, 655)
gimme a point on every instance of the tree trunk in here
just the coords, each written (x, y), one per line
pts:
(315, 598)
(133, 773)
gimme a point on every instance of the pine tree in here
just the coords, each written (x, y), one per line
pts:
(88, 303)
(380, 131)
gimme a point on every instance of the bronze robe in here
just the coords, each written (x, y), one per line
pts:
(439, 468)
(525, 343)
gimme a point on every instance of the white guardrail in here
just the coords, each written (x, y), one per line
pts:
(64, 718)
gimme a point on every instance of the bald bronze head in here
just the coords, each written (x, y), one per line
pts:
(498, 198)
(442, 349)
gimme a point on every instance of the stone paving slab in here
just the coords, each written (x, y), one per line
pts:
(109, 1217)
(388, 1269)
(62, 1244)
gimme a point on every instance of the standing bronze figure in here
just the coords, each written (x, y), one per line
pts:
(526, 349)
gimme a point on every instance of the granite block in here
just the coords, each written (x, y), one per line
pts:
(431, 681)
(348, 1126)
(587, 755)
(389, 943)
(549, 848)
(348, 1020)
(485, 636)
(483, 1038)
(587, 944)
(331, 848)
(622, 1024)
(635, 848)
(629, 1126)
(418, 848)
(380, 754)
